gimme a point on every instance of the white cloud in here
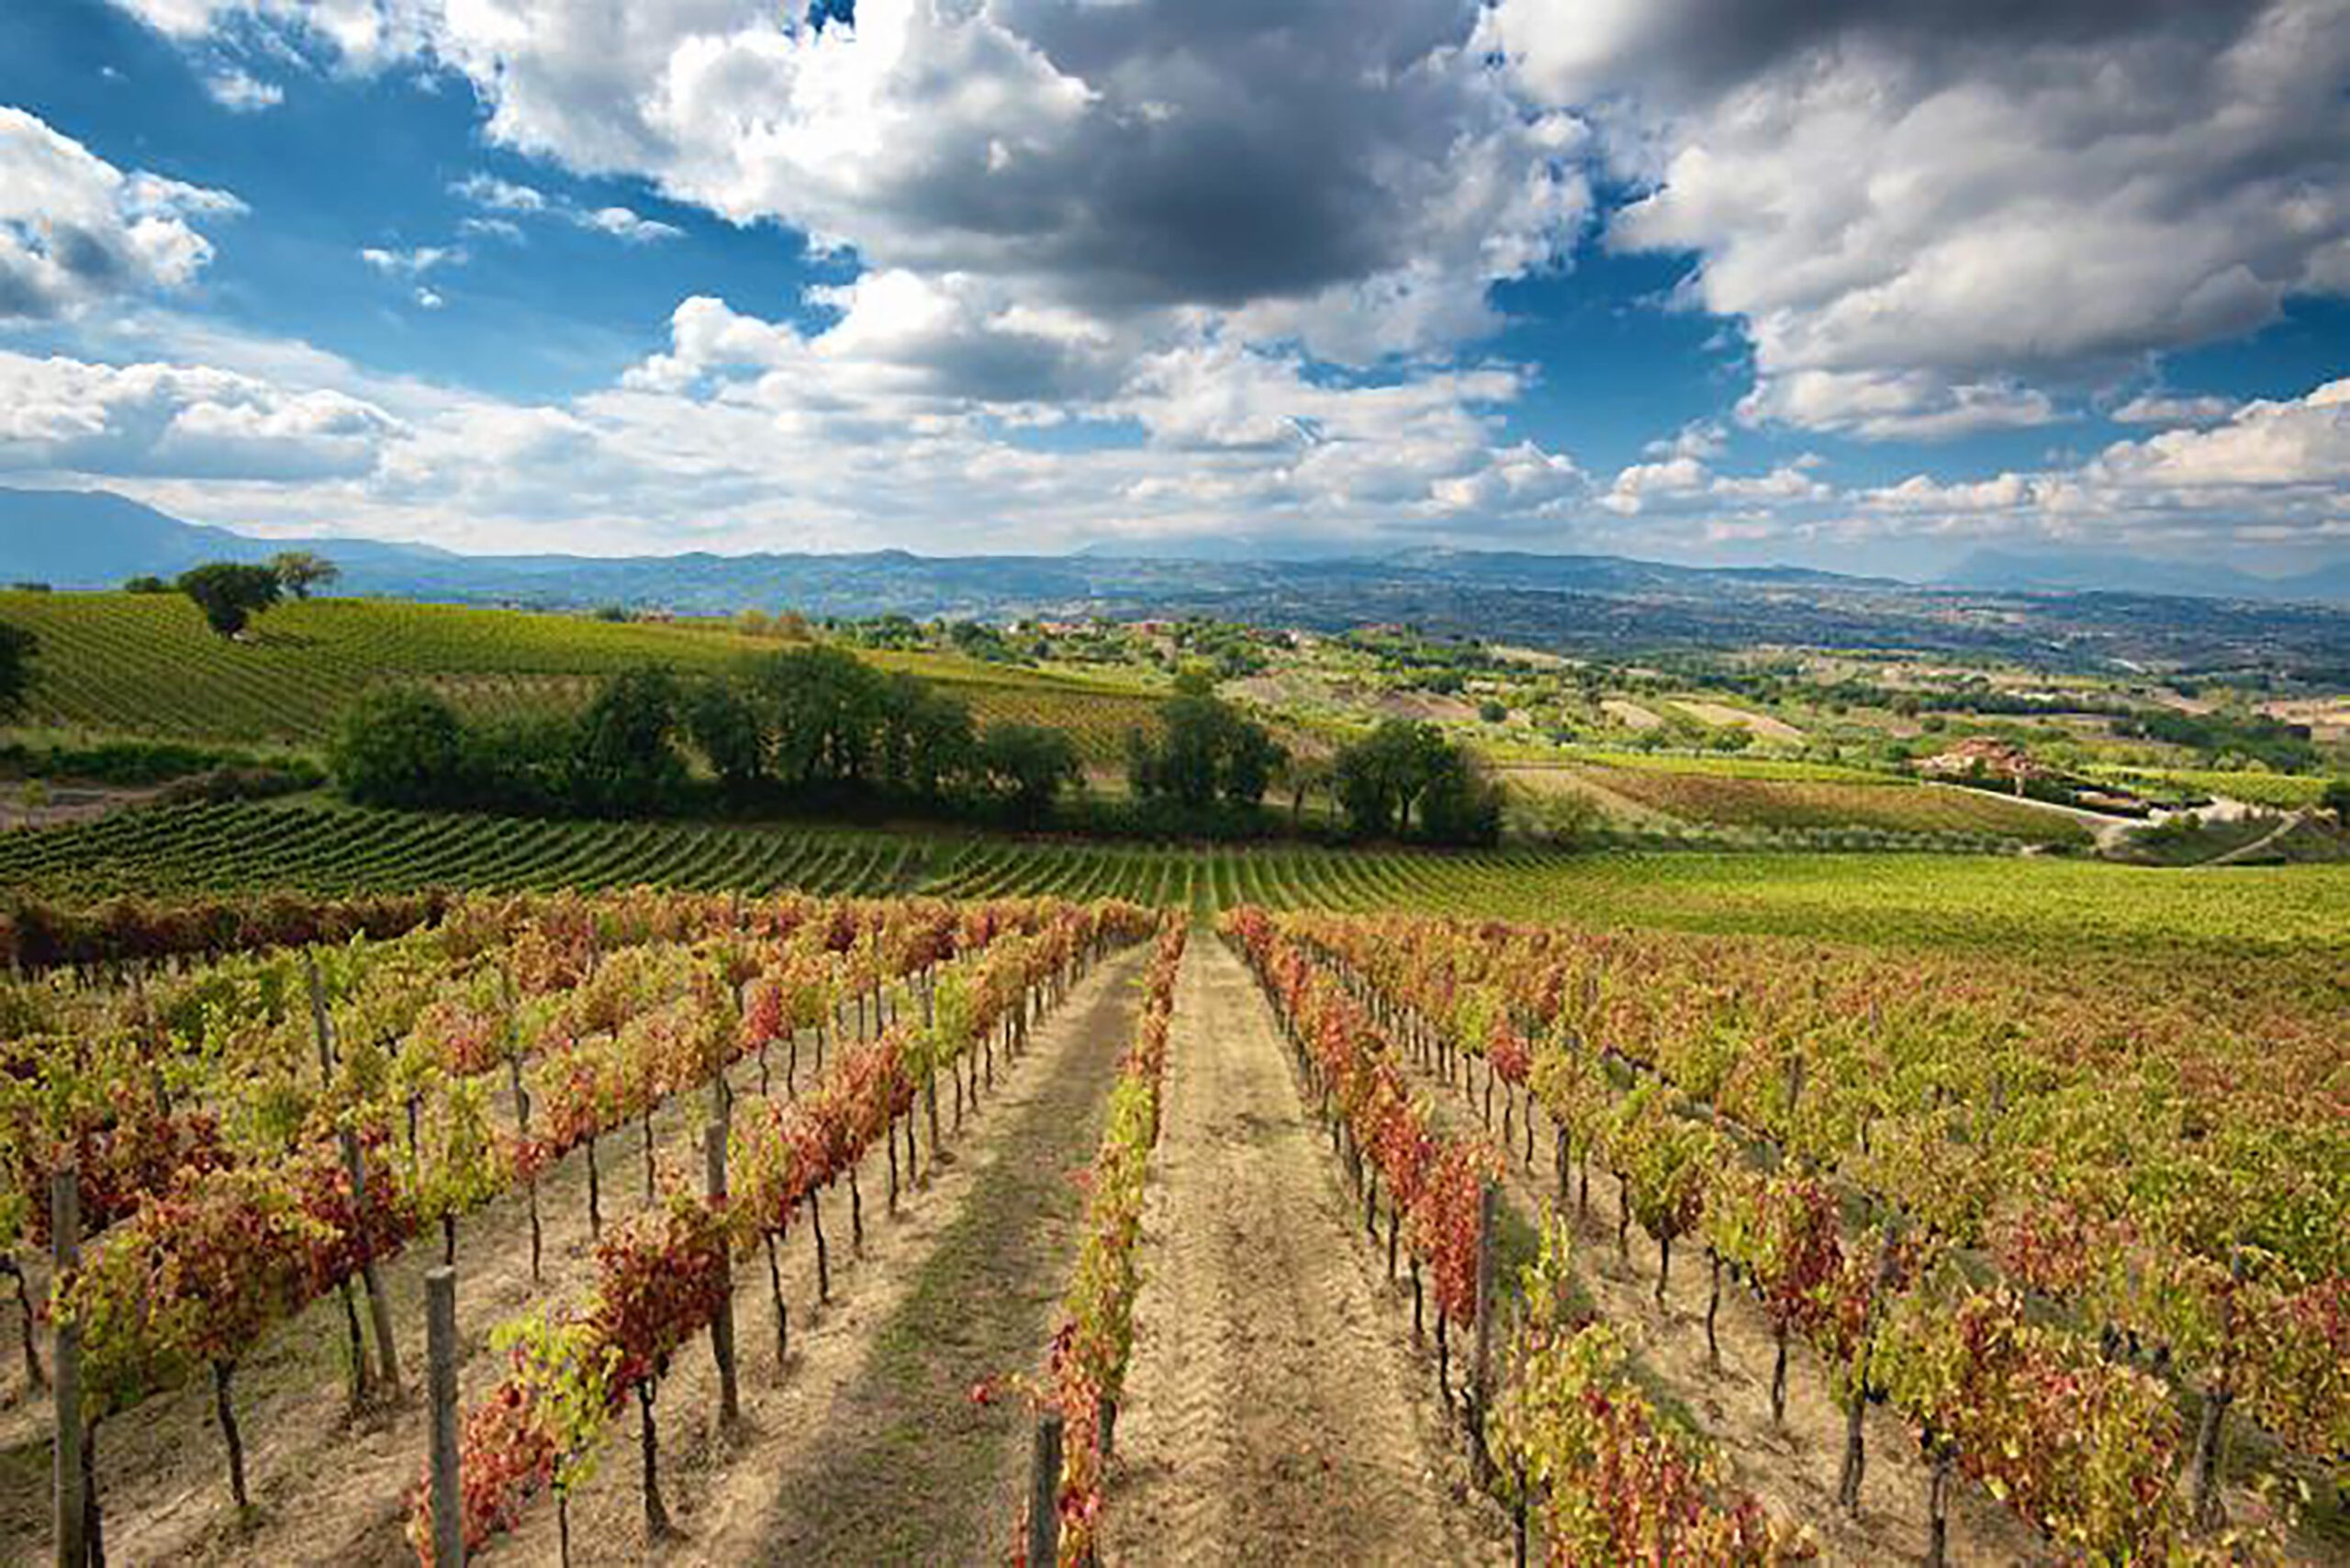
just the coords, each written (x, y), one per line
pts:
(500, 196)
(75, 229)
(414, 261)
(64, 415)
(2169, 409)
(2273, 473)
(240, 93)
(1351, 176)
(1931, 217)
(623, 224)
(429, 299)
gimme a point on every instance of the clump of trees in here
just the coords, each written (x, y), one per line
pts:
(1208, 762)
(1405, 780)
(231, 593)
(803, 726)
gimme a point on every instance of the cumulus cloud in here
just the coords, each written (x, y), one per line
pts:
(75, 229)
(2275, 470)
(1931, 215)
(1354, 176)
(187, 422)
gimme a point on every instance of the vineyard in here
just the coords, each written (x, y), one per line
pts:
(1063, 1230)
(145, 664)
(139, 663)
(1895, 806)
(2059, 1245)
(1998, 903)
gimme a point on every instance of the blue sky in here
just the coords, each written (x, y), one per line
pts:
(1674, 279)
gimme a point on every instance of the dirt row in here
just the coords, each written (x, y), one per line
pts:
(1276, 1409)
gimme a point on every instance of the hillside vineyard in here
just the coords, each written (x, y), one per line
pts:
(2028, 1270)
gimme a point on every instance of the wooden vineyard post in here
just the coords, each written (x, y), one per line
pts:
(65, 1381)
(1044, 1492)
(721, 1323)
(354, 1164)
(1488, 1227)
(441, 1373)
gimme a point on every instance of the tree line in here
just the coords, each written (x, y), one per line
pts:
(815, 727)
(806, 726)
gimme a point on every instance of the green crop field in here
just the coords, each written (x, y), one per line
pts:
(1892, 804)
(145, 664)
(1973, 901)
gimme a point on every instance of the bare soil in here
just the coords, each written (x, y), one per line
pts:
(1275, 1409)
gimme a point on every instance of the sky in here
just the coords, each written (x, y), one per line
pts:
(1869, 285)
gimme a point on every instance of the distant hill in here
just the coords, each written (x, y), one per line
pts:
(81, 539)
(2031, 608)
(2081, 571)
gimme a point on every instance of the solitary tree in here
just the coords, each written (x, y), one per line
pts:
(145, 583)
(231, 594)
(299, 571)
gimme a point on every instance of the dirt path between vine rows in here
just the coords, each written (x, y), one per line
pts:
(1792, 1468)
(1275, 1408)
(871, 1449)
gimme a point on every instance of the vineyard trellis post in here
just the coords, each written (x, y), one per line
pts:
(65, 1382)
(1045, 1491)
(1488, 1225)
(440, 1354)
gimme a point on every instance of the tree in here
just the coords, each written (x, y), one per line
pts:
(18, 648)
(1206, 751)
(229, 593)
(398, 747)
(1380, 778)
(725, 727)
(821, 707)
(146, 584)
(1459, 802)
(1031, 764)
(1403, 767)
(2336, 797)
(299, 571)
(627, 764)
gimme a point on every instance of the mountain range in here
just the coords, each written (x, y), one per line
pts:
(2072, 607)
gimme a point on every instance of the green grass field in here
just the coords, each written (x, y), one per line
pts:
(1983, 902)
